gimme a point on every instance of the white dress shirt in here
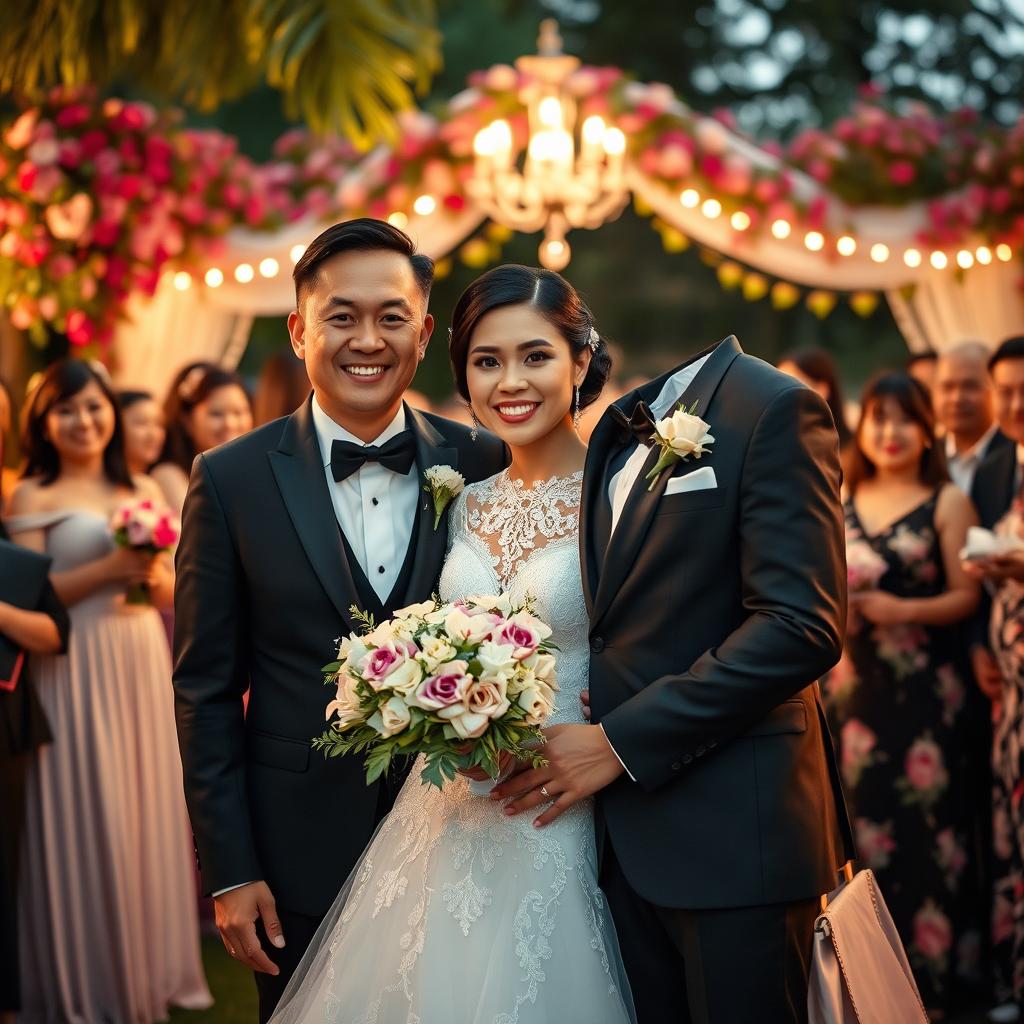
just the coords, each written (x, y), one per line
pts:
(963, 465)
(623, 481)
(375, 507)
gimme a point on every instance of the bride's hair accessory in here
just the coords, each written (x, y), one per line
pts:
(594, 341)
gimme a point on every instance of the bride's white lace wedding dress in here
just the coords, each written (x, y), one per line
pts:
(458, 914)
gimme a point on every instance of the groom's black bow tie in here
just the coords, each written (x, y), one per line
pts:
(398, 455)
(639, 427)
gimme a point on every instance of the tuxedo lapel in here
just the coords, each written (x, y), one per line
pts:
(431, 544)
(595, 509)
(298, 468)
(642, 502)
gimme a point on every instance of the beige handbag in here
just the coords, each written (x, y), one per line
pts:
(859, 970)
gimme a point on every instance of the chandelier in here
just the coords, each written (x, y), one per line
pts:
(567, 176)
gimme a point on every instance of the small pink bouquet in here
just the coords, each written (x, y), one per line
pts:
(143, 526)
(461, 682)
(864, 566)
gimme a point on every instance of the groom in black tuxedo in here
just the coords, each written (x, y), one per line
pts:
(716, 598)
(284, 530)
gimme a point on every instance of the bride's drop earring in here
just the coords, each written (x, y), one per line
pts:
(576, 409)
(475, 432)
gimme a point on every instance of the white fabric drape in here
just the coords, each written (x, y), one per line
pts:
(941, 309)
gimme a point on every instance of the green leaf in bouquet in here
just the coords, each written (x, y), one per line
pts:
(333, 667)
(415, 716)
(449, 732)
(364, 619)
(378, 762)
(475, 668)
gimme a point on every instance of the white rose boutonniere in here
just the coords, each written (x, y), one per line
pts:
(679, 436)
(443, 484)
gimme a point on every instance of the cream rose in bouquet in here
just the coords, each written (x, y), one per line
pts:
(461, 683)
(143, 526)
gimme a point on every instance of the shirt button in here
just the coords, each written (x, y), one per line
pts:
(375, 501)
(597, 644)
(381, 569)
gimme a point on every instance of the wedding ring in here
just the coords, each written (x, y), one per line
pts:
(544, 791)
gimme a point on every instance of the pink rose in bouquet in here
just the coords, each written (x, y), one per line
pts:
(143, 526)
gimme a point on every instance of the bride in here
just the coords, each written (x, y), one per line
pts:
(458, 913)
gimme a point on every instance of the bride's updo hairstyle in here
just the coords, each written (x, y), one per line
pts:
(552, 297)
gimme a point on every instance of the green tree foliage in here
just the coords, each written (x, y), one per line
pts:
(342, 65)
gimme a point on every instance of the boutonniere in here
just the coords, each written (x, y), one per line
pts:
(443, 484)
(679, 436)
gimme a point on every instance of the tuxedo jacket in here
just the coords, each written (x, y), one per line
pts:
(992, 492)
(712, 614)
(264, 589)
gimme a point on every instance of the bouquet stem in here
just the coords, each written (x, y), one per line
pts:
(137, 594)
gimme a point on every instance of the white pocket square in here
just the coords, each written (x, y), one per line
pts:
(702, 479)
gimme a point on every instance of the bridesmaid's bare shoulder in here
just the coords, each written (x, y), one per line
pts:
(30, 496)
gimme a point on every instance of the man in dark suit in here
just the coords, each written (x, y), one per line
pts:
(963, 408)
(717, 597)
(997, 482)
(284, 531)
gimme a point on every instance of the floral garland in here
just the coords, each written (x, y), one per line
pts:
(97, 197)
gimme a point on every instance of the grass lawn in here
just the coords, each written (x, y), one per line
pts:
(232, 987)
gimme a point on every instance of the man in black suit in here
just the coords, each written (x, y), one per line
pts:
(996, 483)
(963, 407)
(717, 597)
(284, 531)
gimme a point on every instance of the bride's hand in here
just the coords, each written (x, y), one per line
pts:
(585, 701)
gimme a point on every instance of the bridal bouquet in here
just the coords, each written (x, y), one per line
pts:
(461, 683)
(864, 566)
(143, 526)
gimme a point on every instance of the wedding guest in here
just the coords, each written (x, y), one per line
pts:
(995, 657)
(23, 730)
(921, 366)
(281, 389)
(205, 407)
(144, 431)
(7, 475)
(816, 369)
(895, 699)
(109, 923)
(962, 397)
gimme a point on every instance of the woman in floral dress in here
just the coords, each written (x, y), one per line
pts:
(896, 696)
(1006, 575)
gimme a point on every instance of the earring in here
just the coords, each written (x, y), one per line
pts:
(576, 408)
(475, 432)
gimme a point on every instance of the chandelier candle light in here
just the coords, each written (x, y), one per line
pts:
(571, 175)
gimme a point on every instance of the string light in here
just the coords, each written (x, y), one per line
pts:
(964, 259)
(814, 240)
(781, 229)
(214, 277)
(740, 220)
(425, 205)
(846, 245)
(879, 252)
(182, 281)
(983, 254)
(269, 267)
(711, 208)
(912, 258)
(938, 260)
(244, 273)
(1004, 252)
(690, 198)
(295, 253)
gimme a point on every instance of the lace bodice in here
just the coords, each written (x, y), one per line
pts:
(524, 540)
